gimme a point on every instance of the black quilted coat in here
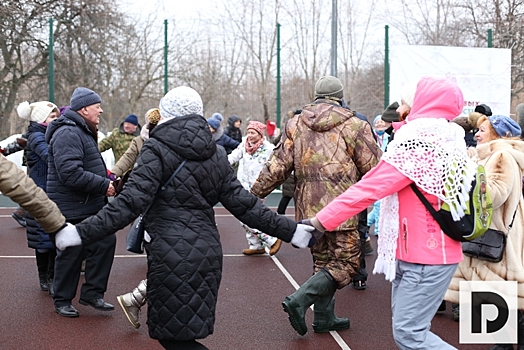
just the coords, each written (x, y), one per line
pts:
(185, 253)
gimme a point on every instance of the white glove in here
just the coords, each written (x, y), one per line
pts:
(67, 237)
(302, 236)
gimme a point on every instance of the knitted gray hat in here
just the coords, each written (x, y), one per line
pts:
(329, 86)
(179, 102)
(83, 97)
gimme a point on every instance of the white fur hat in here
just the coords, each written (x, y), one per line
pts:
(36, 111)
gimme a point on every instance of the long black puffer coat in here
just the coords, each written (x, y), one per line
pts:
(36, 152)
(185, 253)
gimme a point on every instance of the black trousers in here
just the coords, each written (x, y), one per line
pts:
(282, 205)
(99, 259)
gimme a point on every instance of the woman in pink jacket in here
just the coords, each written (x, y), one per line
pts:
(414, 253)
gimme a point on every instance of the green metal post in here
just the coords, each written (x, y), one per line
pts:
(51, 74)
(166, 47)
(278, 76)
(386, 67)
(490, 37)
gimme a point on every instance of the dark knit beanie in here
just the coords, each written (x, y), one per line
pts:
(132, 119)
(83, 97)
(329, 86)
(215, 120)
(390, 114)
(483, 109)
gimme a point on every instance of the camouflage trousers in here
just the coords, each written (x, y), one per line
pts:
(338, 252)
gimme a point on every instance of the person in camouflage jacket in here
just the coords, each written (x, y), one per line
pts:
(329, 150)
(121, 137)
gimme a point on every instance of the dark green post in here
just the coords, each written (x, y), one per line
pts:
(51, 74)
(490, 37)
(386, 68)
(166, 47)
(278, 76)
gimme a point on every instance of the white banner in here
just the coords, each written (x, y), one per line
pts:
(483, 74)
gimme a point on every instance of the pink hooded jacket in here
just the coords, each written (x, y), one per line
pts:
(420, 239)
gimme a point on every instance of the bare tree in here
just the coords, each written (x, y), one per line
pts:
(439, 22)
(506, 19)
(254, 22)
(308, 48)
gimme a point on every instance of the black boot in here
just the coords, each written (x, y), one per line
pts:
(42, 264)
(44, 284)
(51, 271)
(520, 331)
(317, 286)
(442, 306)
(501, 347)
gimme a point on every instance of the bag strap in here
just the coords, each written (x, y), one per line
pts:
(164, 186)
(428, 205)
(513, 220)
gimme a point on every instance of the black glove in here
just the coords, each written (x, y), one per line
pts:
(315, 235)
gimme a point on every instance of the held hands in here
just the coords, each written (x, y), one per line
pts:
(315, 234)
(67, 237)
(302, 236)
(110, 190)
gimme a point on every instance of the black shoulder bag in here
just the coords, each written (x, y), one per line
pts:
(135, 236)
(490, 246)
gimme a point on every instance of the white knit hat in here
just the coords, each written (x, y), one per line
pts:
(36, 111)
(408, 92)
(179, 102)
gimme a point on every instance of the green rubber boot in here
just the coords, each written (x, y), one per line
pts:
(325, 319)
(316, 287)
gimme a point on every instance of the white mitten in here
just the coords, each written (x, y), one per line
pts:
(302, 236)
(67, 237)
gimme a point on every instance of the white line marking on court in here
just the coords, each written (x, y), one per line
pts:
(343, 345)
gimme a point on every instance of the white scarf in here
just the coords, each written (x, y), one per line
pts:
(427, 151)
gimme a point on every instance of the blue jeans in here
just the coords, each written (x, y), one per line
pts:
(417, 292)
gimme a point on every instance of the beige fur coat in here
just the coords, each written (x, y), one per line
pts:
(504, 163)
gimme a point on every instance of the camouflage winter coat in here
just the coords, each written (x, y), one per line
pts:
(118, 141)
(329, 149)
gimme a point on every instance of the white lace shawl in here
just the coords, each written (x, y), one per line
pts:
(433, 154)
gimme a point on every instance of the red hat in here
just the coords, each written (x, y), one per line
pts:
(271, 126)
(257, 126)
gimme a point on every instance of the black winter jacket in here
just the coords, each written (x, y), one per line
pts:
(77, 176)
(231, 130)
(185, 253)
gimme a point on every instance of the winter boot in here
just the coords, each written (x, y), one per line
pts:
(133, 301)
(51, 286)
(325, 319)
(41, 265)
(520, 331)
(44, 284)
(19, 215)
(501, 347)
(317, 286)
(455, 310)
